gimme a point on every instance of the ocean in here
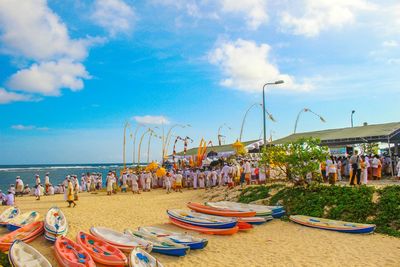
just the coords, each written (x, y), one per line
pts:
(57, 172)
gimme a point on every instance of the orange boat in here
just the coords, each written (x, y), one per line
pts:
(71, 254)
(219, 212)
(26, 233)
(204, 230)
(101, 251)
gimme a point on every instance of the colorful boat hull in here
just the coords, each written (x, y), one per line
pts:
(219, 212)
(204, 230)
(333, 225)
(223, 224)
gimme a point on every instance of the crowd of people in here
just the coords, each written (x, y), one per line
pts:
(359, 169)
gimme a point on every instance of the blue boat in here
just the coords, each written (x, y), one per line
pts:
(180, 238)
(202, 220)
(278, 214)
(161, 245)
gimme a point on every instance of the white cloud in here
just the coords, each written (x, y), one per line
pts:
(320, 15)
(8, 97)
(32, 30)
(247, 67)
(255, 11)
(149, 119)
(47, 78)
(390, 43)
(114, 15)
(21, 127)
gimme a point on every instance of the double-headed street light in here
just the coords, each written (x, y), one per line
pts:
(264, 109)
(306, 110)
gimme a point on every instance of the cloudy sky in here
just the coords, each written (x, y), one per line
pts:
(73, 72)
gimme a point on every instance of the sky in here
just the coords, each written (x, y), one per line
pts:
(72, 73)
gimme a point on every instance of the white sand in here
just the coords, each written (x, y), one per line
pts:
(276, 243)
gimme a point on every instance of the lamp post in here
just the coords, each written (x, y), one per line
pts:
(219, 132)
(245, 116)
(352, 113)
(264, 109)
(167, 139)
(124, 144)
(306, 110)
(134, 142)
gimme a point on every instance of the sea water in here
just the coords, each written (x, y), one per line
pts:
(57, 172)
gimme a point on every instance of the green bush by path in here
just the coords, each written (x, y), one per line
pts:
(354, 204)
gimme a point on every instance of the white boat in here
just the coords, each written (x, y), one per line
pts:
(140, 258)
(23, 255)
(122, 241)
(55, 222)
(261, 210)
(22, 220)
(161, 245)
(181, 238)
(8, 215)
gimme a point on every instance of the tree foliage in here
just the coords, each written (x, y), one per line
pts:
(297, 159)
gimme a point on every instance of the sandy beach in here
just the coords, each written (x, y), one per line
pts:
(276, 243)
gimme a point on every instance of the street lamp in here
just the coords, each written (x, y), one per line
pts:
(245, 116)
(306, 110)
(219, 132)
(264, 109)
(352, 113)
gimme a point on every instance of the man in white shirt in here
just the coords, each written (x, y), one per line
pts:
(46, 183)
(247, 171)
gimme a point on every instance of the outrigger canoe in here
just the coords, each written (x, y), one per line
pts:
(26, 233)
(333, 225)
(122, 241)
(71, 254)
(180, 238)
(220, 212)
(161, 245)
(204, 230)
(202, 220)
(8, 215)
(101, 251)
(24, 255)
(140, 258)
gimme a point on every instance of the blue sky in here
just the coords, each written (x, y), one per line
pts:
(73, 72)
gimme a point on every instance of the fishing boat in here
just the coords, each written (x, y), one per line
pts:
(71, 254)
(24, 255)
(260, 210)
(202, 220)
(22, 220)
(140, 258)
(8, 215)
(220, 212)
(26, 233)
(55, 224)
(204, 230)
(122, 241)
(180, 238)
(161, 245)
(101, 251)
(255, 220)
(333, 225)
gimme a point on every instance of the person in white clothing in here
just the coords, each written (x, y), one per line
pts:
(147, 184)
(135, 185)
(167, 182)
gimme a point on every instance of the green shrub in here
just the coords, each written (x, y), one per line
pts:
(354, 204)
